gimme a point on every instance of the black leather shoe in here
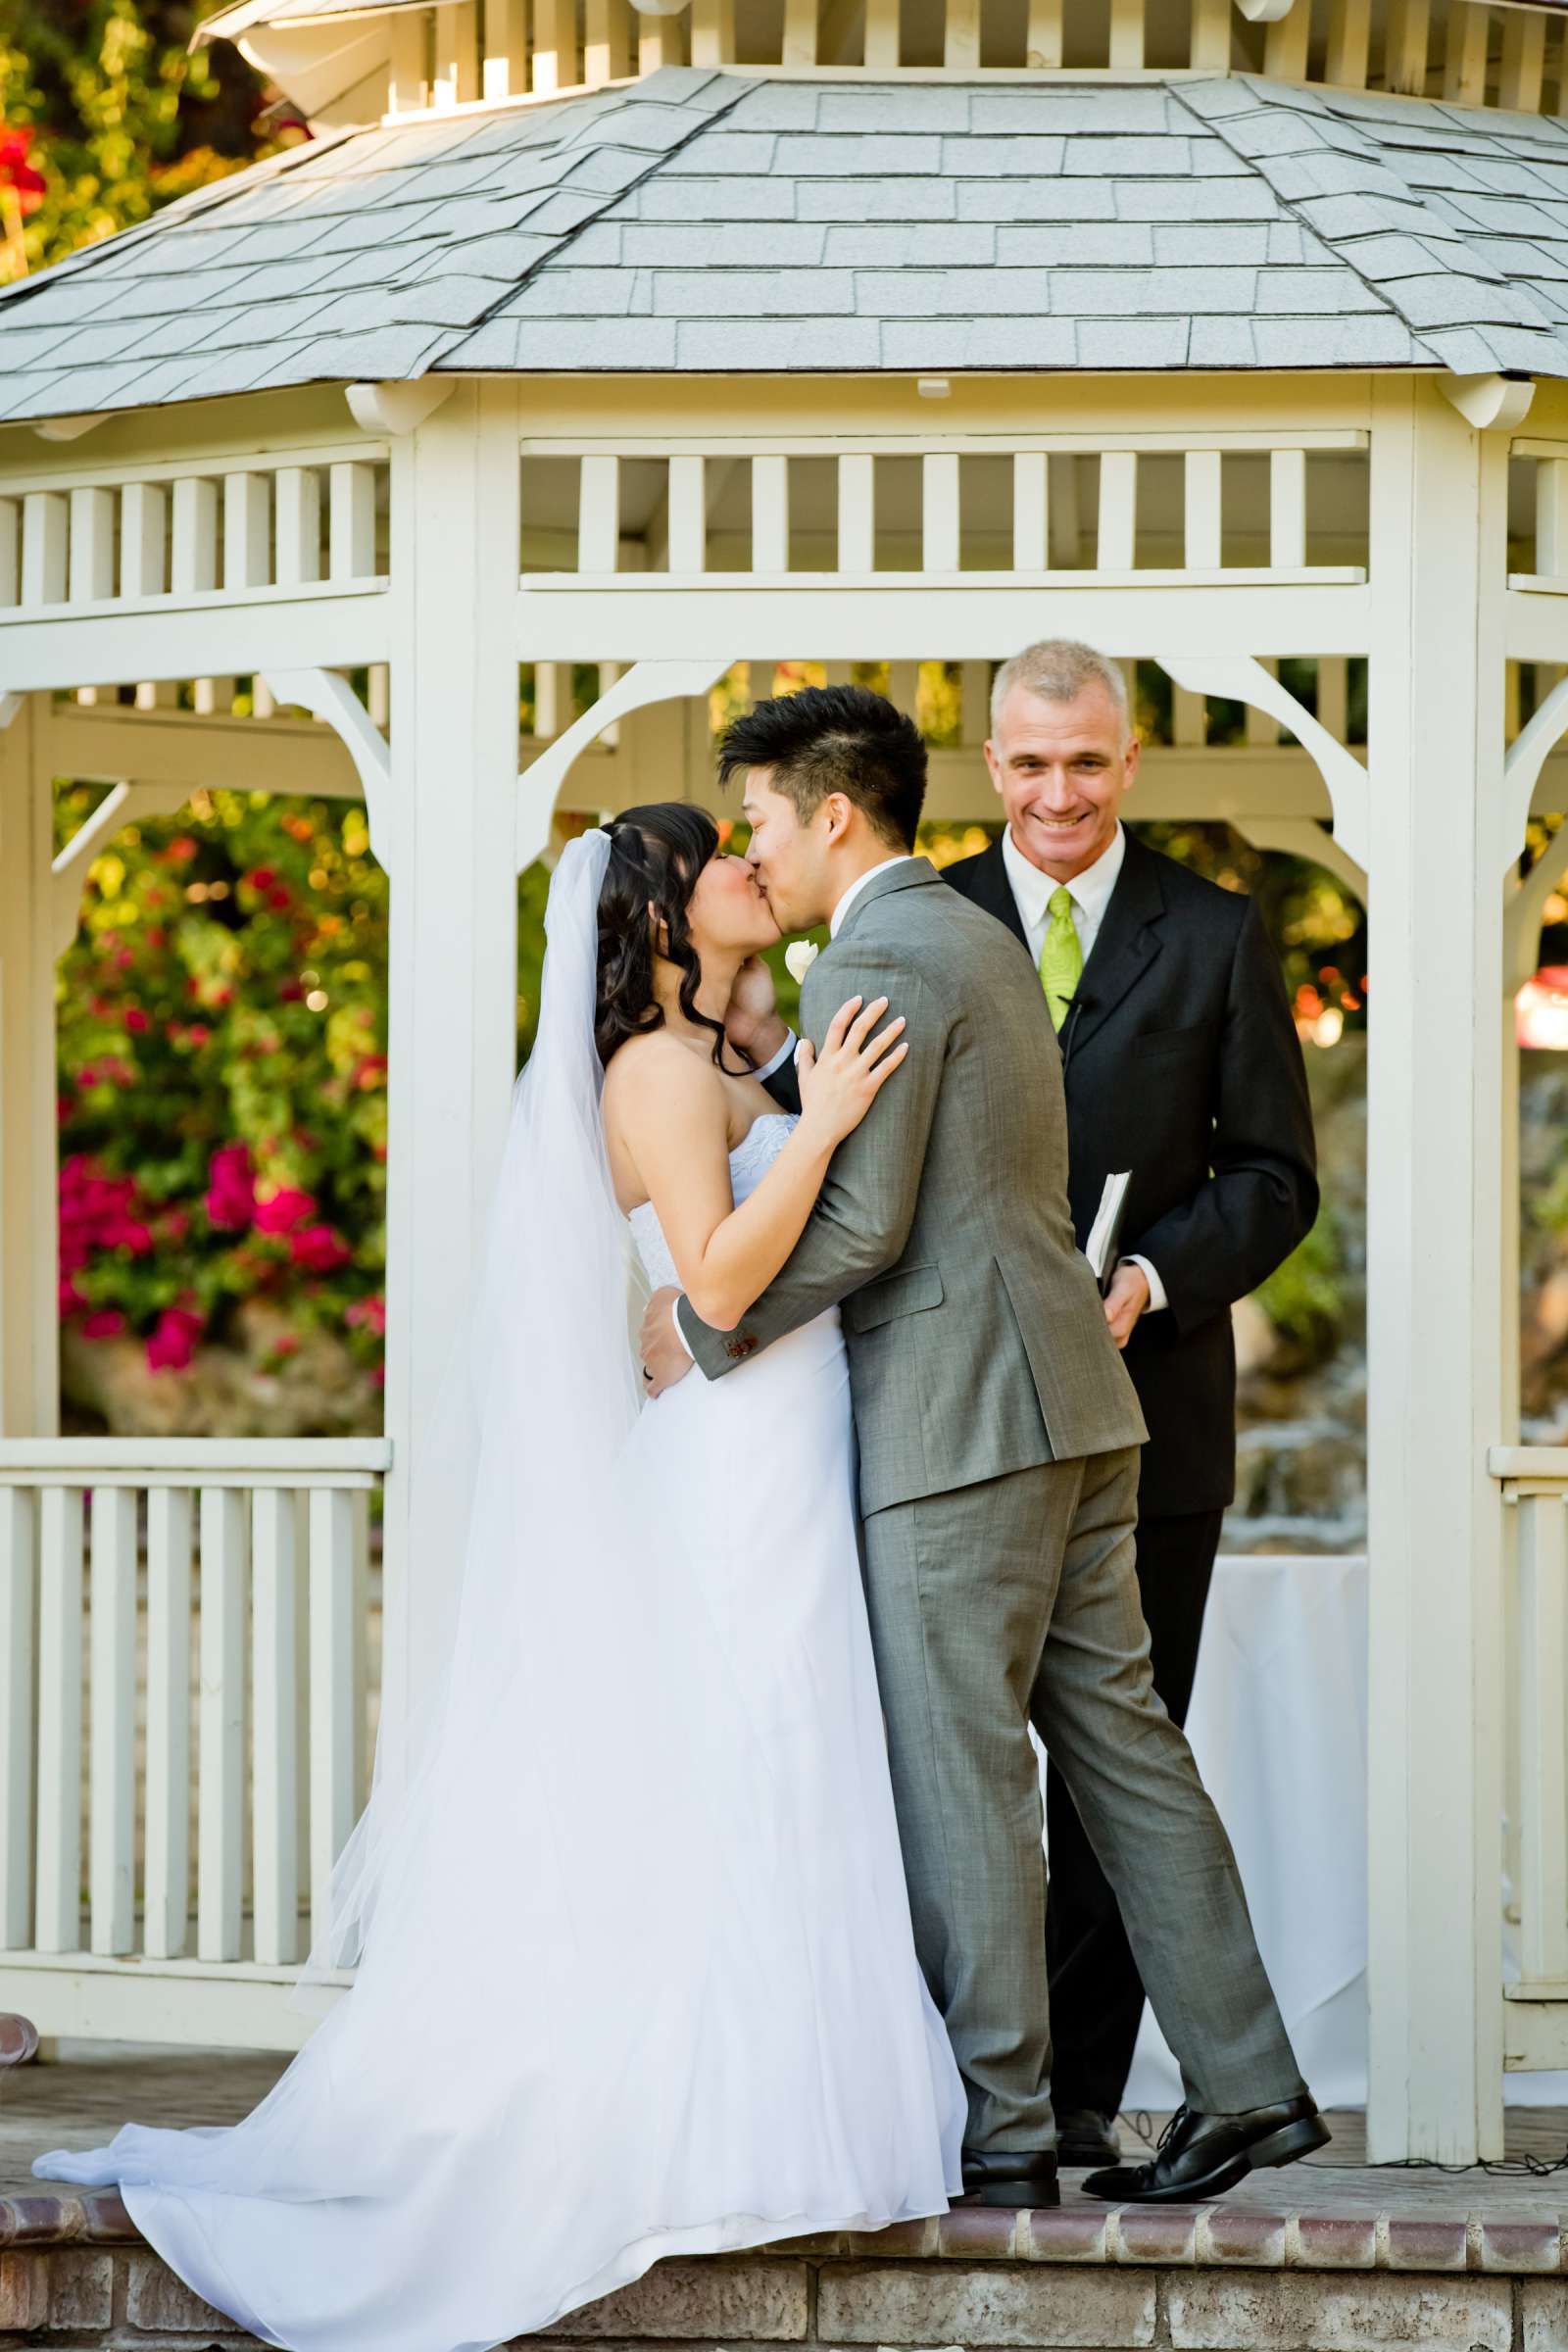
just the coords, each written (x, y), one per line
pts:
(1086, 2136)
(1027, 2177)
(1203, 2155)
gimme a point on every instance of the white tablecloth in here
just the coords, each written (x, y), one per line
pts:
(1278, 1724)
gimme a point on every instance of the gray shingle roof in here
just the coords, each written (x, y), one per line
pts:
(718, 221)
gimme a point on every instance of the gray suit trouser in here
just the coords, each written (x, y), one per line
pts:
(1016, 1601)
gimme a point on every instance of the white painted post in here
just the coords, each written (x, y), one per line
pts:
(92, 545)
(800, 32)
(1030, 511)
(1126, 54)
(770, 515)
(1285, 49)
(111, 1793)
(688, 516)
(18, 1576)
(504, 72)
(1404, 46)
(144, 539)
(1349, 40)
(9, 552)
(60, 1613)
(275, 1793)
(247, 530)
(452, 981)
(29, 1223)
(1523, 63)
(406, 93)
(43, 547)
(607, 44)
(1210, 41)
(1118, 510)
(221, 1790)
(168, 1799)
(1201, 515)
(1044, 35)
(299, 510)
(856, 512)
(337, 1683)
(194, 565)
(1287, 509)
(1464, 64)
(1542, 1890)
(1435, 1259)
(939, 513)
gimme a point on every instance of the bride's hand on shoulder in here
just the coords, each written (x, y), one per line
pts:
(839, 1085)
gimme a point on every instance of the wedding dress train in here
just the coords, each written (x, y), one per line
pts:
(638, 1978)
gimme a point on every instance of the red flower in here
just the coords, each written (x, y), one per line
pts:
(173, 1343)
(105, 1323)
(282, 1210)
(136, 1020)
(16, 173)
(368, 1314)
(70, 1297)
(277, 898)
(318, 1250)
(262, 877)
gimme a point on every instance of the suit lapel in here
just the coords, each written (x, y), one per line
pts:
(1126, 944)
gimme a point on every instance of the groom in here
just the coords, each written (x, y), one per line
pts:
(998, 1437)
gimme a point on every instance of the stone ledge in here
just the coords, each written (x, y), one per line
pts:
(1203, 2237)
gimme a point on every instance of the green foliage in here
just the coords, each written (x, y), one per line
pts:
(1304, 1297)
(122, 115)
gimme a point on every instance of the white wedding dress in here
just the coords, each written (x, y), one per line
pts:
(640, 1980)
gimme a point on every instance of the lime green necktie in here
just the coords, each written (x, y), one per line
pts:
(1061, 958)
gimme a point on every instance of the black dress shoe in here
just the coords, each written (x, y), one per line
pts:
(1017, 2180)
(1203, 2155)
(1086, 2136)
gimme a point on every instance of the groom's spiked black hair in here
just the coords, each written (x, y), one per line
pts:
(835, 739)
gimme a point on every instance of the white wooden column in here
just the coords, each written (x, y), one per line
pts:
(1435, 1250)
(29, 1342)
(452, 977)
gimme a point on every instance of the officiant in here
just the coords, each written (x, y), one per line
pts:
(1181, 1064)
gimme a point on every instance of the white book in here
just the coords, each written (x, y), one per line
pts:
(1105, 1234)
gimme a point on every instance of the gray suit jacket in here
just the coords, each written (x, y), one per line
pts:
(977, 1339)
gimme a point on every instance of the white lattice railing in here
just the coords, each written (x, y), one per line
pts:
(184, 1731)
(448, 56)
(1280, 509)
(1534, 1481)
(179, 534)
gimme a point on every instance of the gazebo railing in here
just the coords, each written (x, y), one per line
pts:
(1535, 1482)
(311, 521)
(184, 1726)
(458, 54)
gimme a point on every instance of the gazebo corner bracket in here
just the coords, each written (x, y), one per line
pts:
(398, 408)
(1238, 677)
(65, 428)
(1492, 404)
(1522, 766)
(330, 698)
(540, 782)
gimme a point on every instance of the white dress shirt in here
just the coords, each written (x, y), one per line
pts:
(1090, 892)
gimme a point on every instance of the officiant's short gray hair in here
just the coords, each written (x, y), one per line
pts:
(1058, 669)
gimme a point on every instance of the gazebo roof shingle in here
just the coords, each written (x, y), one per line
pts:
(716, 222)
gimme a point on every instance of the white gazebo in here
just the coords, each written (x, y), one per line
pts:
(853, 330)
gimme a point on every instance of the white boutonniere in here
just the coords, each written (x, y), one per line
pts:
(799, 958)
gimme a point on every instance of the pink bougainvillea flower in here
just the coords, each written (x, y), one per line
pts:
(70, 1297)
(284, 1210)
(231, 1188)
(173, 1343)
(318, 1250)
(368, 1314)
(104, 1323)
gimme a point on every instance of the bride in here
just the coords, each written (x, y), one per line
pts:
(635, 1975)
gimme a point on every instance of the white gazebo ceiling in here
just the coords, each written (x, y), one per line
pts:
(714, 222)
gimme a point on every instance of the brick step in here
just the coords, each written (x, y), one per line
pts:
(1216, 2278)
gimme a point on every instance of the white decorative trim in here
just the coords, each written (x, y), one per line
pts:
(1522, 766)
(65, 428)
(1238, 677)
(1491, 403)
(539, 783)
(397, 409)
(329, 697)
(1525, 911)
(1305, 837)
(120, 805)
(10, 705)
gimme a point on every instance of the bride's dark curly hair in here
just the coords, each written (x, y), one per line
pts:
(655, 856)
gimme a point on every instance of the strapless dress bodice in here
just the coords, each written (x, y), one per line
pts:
(749, 1163)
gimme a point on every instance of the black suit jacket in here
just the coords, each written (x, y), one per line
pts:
(1182, 1063)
